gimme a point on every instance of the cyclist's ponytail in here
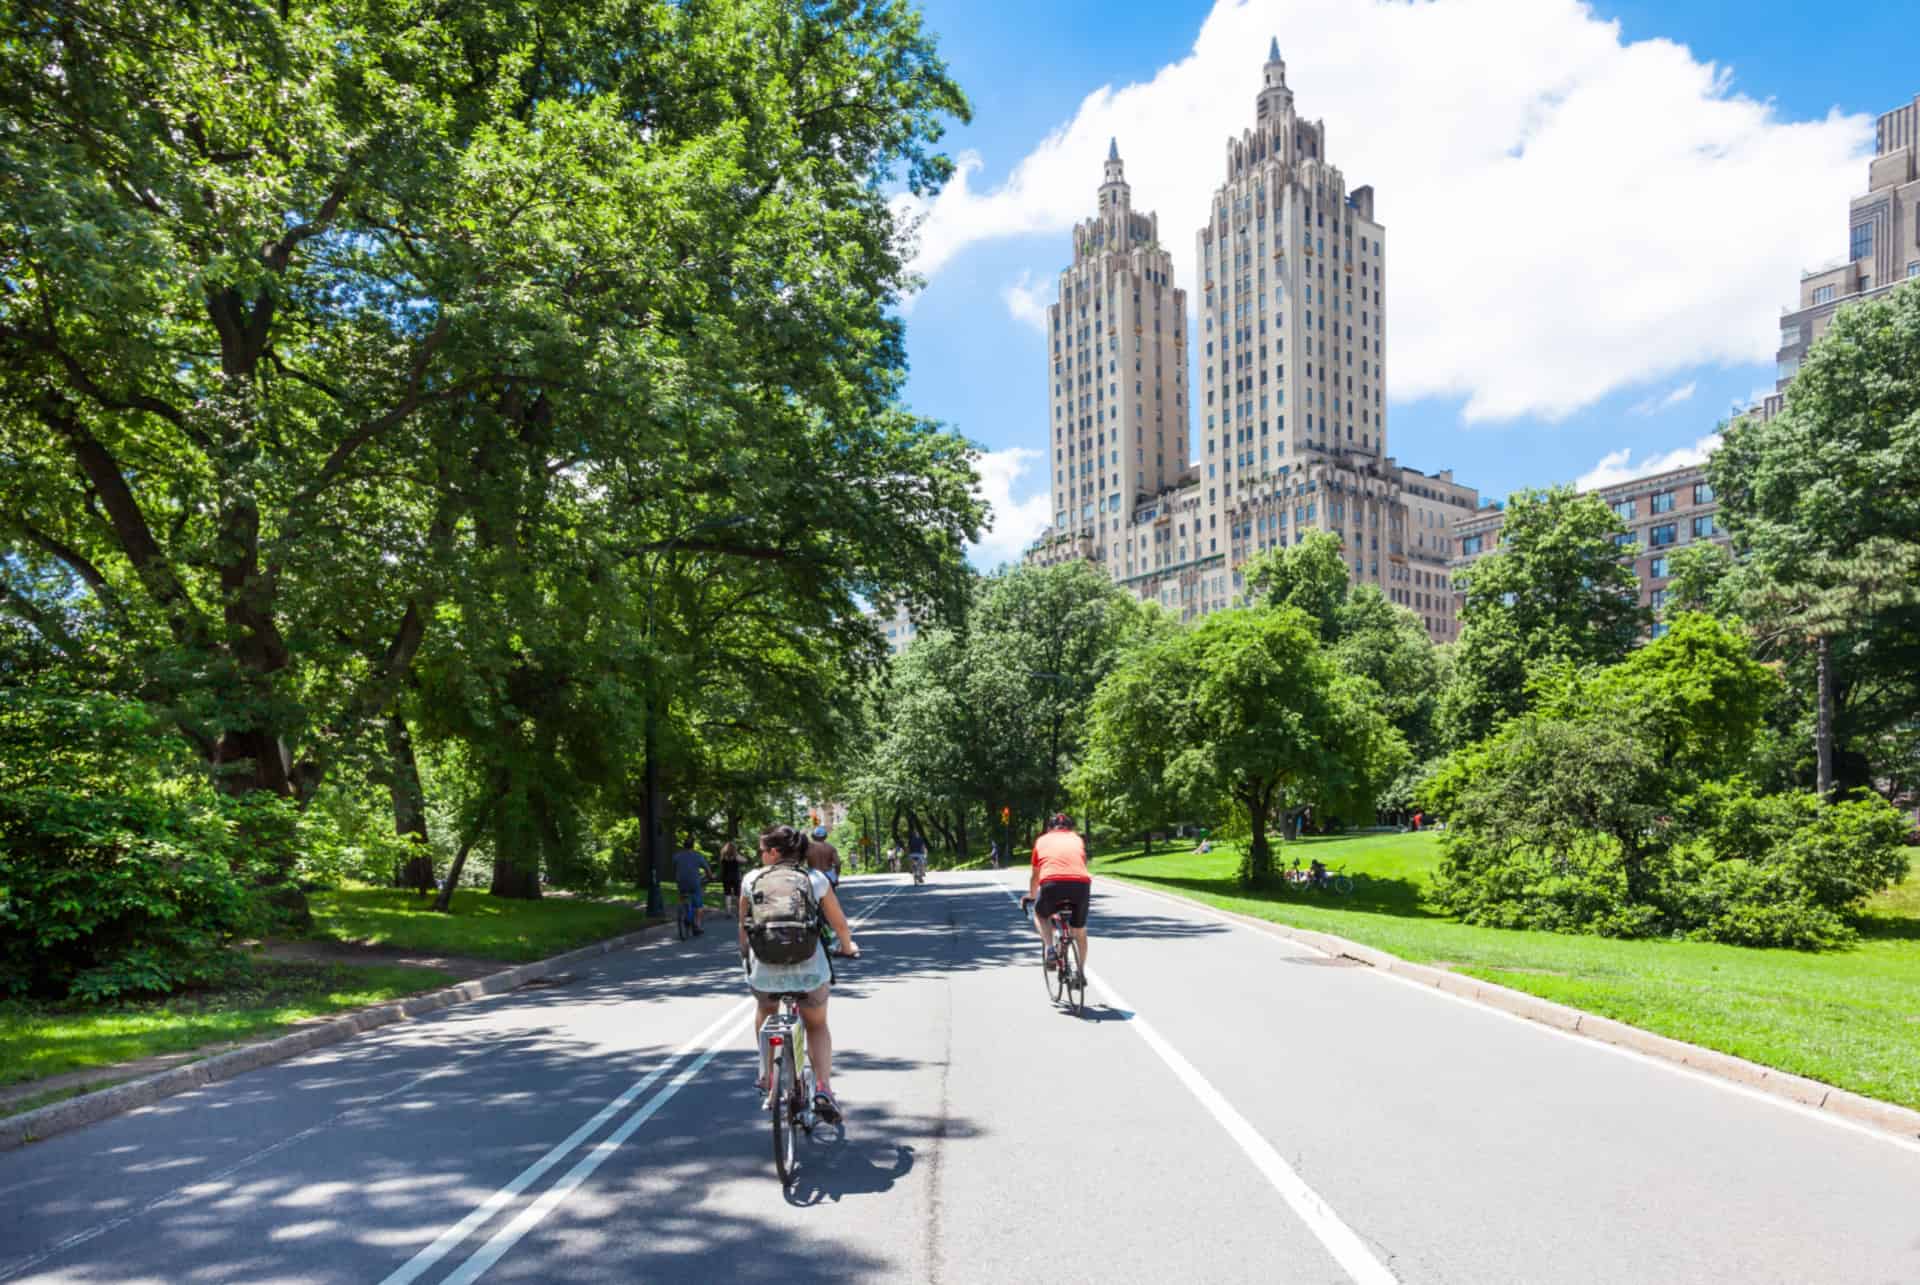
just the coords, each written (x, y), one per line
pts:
(787, 841)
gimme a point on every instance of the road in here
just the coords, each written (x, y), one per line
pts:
(1233, 1107)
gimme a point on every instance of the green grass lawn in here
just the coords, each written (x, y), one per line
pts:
(38, 1040)
(1849, 1018)
(481, 926)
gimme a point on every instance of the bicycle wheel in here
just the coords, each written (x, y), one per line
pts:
(1343, 885)
(680, 922)
(783, 1141)
(1056, 980)
(1076, 987)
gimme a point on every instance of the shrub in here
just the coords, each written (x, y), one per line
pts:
(121, 871)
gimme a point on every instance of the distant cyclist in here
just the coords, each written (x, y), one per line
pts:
(917, 854)
(690, 871)
(823, 856)
(1060, 881)
(782, 907)
(730, 871)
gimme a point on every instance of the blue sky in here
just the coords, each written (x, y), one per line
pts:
(1594, 212)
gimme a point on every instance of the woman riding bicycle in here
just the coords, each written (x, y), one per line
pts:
(810, 978)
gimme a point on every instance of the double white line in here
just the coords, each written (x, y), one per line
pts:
(708, 1042)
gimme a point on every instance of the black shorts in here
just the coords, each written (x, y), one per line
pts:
(1068, 895)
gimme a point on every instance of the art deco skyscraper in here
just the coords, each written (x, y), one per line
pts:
(1118, 366)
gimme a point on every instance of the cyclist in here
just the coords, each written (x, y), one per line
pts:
(823, 856)
(730, 876)
(1060, 881)
(917, 853)
(893, 857)
(780, 846)
(691, 873)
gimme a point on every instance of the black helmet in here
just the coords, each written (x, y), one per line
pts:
(1059, 821)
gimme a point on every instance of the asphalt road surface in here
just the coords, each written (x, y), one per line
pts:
(1232, 1107)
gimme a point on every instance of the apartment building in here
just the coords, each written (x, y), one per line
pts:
(898, 629)
(1883, 248)
(1291, 399)
(1658, 516)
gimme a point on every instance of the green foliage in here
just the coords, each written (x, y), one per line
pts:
(1248, 706)
(1555, 589)
(1309, 575)
(1823, 506)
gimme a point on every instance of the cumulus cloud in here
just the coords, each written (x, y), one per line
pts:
(1620, 466)
(1567, 214)
(1654, 405)
(1027, 302)
(1016, 523)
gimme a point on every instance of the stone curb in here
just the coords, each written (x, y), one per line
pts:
(1871, 1112)
(90, 1108)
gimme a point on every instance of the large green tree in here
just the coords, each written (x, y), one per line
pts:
(1823, 504)
(1248, 706)
(1556, 588)
(317, 316)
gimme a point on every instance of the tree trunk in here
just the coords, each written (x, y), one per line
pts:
(510, 879)
(1823, 718)
(444, 902)
(1257, 866)
(409, 805)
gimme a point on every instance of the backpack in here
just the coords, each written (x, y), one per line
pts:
(783, 917)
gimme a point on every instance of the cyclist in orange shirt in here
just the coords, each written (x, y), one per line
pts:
(1060, 881)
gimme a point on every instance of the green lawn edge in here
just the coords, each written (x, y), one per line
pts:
(1849, 1018)
(40, 1041)
(481, 926)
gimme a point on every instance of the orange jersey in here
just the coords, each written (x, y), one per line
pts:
(1060, 856)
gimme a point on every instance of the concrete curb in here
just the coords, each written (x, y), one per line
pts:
(1871, 1112)
(90, 1108)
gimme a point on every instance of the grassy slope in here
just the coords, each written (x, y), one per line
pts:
(1850, 1018)
(41, 1040)
(481, 926)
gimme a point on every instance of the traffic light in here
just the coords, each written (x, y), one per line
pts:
(1006, 815)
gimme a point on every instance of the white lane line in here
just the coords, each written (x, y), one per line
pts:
(1690, 1073)
(1339, 1240)
(423, 1261)
(527, 1219)
(504, 1239)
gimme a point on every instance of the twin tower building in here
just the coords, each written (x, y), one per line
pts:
(1290, 399)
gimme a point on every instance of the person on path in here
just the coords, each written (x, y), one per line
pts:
(917, 853)
(730, 872)
(1061, 880)
(784, 846)
(691, 873)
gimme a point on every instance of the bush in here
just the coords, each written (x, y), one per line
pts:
(121, 871)
(1568, 825)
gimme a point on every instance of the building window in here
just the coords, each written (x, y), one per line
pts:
(1660, 536)
(1861, 243)
(1913, 269)
(1662, 502)
(1657, 567)
(1624, 510)
(1657, 599)
(1703, 526)
(1622, 539)
(1823, 294)
(1702, 493)
(1470, 545)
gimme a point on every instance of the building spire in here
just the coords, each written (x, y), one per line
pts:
(1273, 50)
(1113, 149)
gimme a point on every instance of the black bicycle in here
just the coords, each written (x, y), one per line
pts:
(790, 1083)
(1066, 974)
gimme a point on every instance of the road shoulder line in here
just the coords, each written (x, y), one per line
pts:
(1833, 1105)
(91, 1108)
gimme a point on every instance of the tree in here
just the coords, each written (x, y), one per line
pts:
(317, 314)
(1247, 706)
(1556, 589)
(1309, 575)
(1387, 643)
(1823, 506)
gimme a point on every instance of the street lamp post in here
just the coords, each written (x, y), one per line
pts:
(656, 901)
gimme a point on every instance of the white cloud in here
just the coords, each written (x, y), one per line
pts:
(1028, 302)
(1619, 466)
(1567, 215)
(1015, 524)
(1654, 405)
